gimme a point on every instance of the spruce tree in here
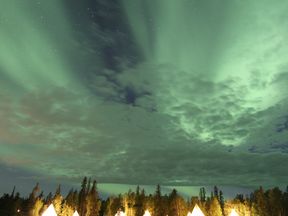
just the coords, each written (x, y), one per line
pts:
(214, 207)
(139, 211)
(82, 197)
(216, 193)
(221, 201)
(261, 204)
(158, 208)
(202, 194)
(32, 200)
(93, 201)
(57, 200)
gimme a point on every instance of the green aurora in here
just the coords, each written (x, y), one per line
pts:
(235, 45)
(34, 38)
(204, 104)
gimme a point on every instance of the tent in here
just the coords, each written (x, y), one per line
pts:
(233, 213)
(196, 211)
(120, 213)
(50, 211)
(75, 214)
(147, 213)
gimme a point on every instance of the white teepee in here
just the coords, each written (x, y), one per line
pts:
(233, 213)
(50, 211)
(75, 214)
(196, 211)
(147, 213)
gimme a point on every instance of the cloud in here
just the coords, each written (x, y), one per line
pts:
(201, 132)
(158, 123)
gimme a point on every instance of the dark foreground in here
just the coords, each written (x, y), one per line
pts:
(87, 202)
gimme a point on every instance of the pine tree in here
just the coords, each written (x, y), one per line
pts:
(158, 202)
(108, 209)
(88, 186)
(49, 198)
(66, 210)
(82, 197)
(173, 204)
(214, 208)
(72, 199)
(221, 201)
(177, 205)
(93, 201)
(34, 192)
(260, 201)
(139, 202)
(13, 191)
(285, 202)
(38, 204)
(216, 194)
(57, 200)
(32, 200)
(202, 194)
(274, 202)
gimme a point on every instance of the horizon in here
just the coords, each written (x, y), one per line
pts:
(114, 189)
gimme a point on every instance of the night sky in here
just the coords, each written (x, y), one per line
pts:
(176, 92)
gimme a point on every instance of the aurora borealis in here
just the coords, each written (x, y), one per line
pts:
(187, 93)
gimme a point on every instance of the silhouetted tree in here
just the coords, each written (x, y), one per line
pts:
(221, 201)
(139, 202)
(216, 193)
(82, 197)
(202, 194)
(177, 205)
(93, 201)
(158, 202)
(261, 204)
(275, 202)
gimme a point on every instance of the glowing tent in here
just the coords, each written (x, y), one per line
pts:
(233, 213)
(50, 211)
(120, 213)
(147, 213)
(196, 211)
(75, 214)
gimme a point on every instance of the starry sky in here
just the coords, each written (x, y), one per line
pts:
(181, 93)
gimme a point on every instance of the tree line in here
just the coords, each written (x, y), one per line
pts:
(272, 202)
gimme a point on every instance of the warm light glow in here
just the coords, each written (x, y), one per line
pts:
(75, 214)
(120, 213)
(233, 213)
(196, 211)
(50, 211)
(147, 213)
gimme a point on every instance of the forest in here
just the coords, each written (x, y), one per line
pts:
(87, 202)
